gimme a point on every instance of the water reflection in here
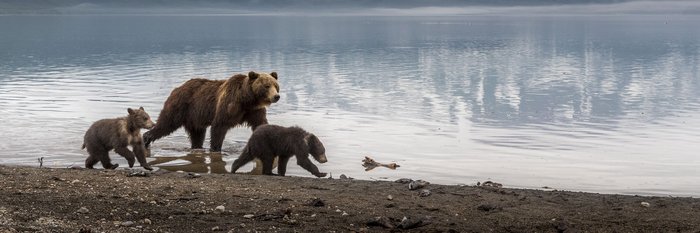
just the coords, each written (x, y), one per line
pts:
(197, 161)
(566, 102)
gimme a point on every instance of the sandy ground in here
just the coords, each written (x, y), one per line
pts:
(71, 200)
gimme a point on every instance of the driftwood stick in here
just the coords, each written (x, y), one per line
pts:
(370, 164)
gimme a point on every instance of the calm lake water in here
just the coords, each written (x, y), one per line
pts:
(603, 103)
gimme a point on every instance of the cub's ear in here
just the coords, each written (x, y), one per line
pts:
(274, 74)
(131, 111)
(310, 139)
(141, 108)
(252, 75)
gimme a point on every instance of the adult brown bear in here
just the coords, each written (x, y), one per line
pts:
(221, 104)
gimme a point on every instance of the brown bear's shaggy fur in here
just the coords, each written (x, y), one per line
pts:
(221, 104)
(271, 141)
(107, 134)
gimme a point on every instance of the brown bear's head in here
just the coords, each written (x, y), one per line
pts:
(140, 118)
(316, 148)
(265, 87)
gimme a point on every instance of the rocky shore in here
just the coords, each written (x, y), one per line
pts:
(72, 200)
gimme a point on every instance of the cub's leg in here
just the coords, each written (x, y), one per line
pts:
(304, 162)
(241, 160)
(126, 153)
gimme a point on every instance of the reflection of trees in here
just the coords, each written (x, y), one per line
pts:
(488, 69)
(507, 71)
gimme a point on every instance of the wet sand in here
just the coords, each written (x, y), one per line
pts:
(50, 200)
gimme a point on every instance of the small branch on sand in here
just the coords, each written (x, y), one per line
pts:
(41, 162)
(370, 164)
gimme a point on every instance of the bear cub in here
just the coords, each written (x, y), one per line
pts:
(271, 141)
(118, 133)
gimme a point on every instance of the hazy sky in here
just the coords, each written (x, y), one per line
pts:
(378, 7)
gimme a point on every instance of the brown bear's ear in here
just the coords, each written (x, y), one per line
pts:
(274, 75)
(252, 75)
(131, 111)
(141, 108)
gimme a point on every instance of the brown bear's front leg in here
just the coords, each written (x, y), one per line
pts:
(304, 162)
(140, 152)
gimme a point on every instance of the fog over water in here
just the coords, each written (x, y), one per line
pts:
(360, 7)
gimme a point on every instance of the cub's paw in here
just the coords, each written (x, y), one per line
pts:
(114, 166)
(320, 174)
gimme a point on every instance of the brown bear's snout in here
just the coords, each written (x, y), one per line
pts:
(276, 98)
(322, 158)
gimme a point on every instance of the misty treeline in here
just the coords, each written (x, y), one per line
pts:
(8, 5)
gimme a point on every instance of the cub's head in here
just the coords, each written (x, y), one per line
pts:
(265, 87)
(316, 148)
(140, 118)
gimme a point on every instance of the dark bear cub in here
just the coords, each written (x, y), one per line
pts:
(270, 141)
(107, 134)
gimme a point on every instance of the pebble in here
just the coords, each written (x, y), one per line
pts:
(249, 216)
(219, 209)
(316, 202)
(127, 224)
(147, 221)
(410, 223)
(645, 204)
(138, 174)
(344, 214)
(424, 193)
(404, 181)
(487, 207)
(489, 183)
(416, 184)
(216, 228)
(389, 197)
(380, 221)
(83, 210)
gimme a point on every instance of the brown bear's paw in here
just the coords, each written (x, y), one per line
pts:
(320, 174)
(113, 166)
(147, 167)
(147, 139)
